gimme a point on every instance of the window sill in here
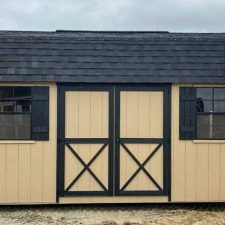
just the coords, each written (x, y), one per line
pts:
(17, 142)
(209, 141)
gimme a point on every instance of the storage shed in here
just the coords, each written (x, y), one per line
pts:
(111, 117)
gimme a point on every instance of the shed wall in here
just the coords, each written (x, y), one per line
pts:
(28, 168)
(198, 167)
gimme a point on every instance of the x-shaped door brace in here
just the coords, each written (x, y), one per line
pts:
(141, 167)
(86, 166)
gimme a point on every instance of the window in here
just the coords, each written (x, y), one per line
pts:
(210, 113)
(15, 113)
(202, 113)
(24, 113)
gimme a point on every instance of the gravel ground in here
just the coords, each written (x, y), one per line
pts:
(114, 214)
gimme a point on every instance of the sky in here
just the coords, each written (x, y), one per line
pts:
(113, 15)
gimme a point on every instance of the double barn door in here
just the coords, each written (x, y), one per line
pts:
(113, 140)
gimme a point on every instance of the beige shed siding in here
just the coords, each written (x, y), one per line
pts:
(28, 169)
(198, 168)
(115, 199)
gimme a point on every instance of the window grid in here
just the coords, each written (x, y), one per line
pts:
(15, 112)
(212, 113)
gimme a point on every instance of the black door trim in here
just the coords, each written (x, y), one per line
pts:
(62, 141)
(165, 191)
(114, 138)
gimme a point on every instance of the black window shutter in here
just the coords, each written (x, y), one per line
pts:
(40, 113)
(187, 113)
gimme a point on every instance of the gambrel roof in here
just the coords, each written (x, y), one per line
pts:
(112, 57)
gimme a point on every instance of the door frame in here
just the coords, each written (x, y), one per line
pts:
(166, 140)
(114, 120)
(62, 141)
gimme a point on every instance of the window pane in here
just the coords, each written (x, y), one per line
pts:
(23, 106)
(211, 126)
(218, 132)
(203, 127)
(22, 92)
(218, 120)
(219, 106)
(15, 106)
(203, 120)
(204, 106)
(6, 92)
(219, 93)
(14, 126)
(205, 93)
(204, 132)
(15, 99)
(7, 106)
(218, 126)
(15, 92)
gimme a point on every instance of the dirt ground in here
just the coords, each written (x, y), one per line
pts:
(114, 214)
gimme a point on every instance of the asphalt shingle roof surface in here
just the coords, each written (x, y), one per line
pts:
(154, 57)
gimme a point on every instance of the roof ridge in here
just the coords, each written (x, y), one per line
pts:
(108, 31)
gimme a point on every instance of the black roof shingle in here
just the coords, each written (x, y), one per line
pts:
(85, 56)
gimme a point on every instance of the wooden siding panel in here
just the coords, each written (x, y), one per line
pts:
(197, 166)
(202, 172)
(132, 115)
(115, 199)
(222, 169)
(156, 114)
(24, 173)
(37, 172)
(84, 182)
(96, 131)
(3, 160)
(84, 120)
(178, 175)
(96, 114)
(71, 167)
(156, 166)
(132, 131)
(191, 171)
(208, 170)
(105, 114)
(214, 172)
(71, 114)
(131, 167)
(141, 116)
(12, 173)
(97, 168)
(28, 168)
(87, 112)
